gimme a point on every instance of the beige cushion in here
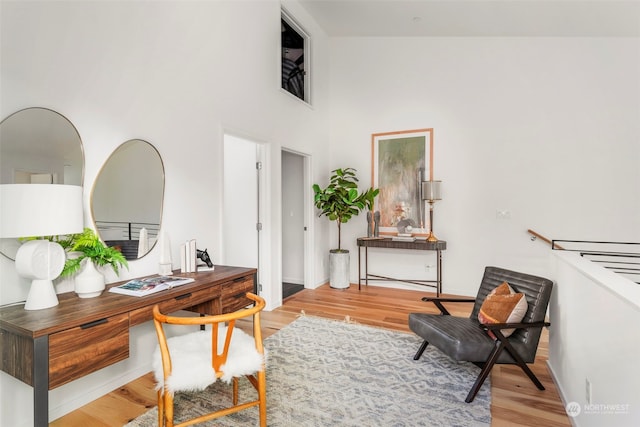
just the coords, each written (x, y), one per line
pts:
(503, 305)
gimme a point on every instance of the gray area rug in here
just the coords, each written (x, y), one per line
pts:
(329, 373)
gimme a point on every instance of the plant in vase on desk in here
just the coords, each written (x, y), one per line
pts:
(340, 201)
(92, 253)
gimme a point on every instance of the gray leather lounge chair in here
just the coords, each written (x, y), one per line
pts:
(466, 339)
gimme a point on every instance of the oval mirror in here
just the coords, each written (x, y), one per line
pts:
(38, 146)
(127, 198)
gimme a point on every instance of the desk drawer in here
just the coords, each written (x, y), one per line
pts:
(79, 351)
(233, 294)
(181, 302)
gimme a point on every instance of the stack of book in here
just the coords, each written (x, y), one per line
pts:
(188, 256)
(403, 237)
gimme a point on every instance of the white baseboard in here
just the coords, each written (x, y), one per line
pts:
(572, 420)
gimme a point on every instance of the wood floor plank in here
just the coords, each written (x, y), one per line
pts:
(515, 400)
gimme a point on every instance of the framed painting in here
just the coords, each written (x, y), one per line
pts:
(401, 160)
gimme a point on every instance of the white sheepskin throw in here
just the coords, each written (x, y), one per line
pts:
(191, 360)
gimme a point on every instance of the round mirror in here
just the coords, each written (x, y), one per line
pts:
(38, 146)
(127, 197)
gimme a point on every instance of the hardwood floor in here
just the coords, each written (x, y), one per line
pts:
(515, 400)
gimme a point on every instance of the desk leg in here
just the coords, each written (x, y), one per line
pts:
(439, 272)
(41, 381)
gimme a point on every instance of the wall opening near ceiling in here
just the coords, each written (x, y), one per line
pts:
(294, 48)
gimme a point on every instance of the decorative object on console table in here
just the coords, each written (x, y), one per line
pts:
(90, 282)
(143, 242)
(340, 201)
(165, 268)
(431, 192)
(29, 210)
(204, 257)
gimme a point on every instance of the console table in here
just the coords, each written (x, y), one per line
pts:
(387, 242)
(48, 348)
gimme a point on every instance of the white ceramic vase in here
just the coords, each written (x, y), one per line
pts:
(339, 269)
(89, 283)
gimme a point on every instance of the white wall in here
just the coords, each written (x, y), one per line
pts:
(176, 74)
(545, 128)
(592, 338)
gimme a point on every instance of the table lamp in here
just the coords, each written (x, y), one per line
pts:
(431, 192)
(36, 210)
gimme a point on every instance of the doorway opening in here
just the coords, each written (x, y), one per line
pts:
(295, 212)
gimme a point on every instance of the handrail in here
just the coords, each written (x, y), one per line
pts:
(536, 235)
(619, 257)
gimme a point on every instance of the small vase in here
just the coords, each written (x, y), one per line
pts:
(89, 283)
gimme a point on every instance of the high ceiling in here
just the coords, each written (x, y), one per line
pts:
(476, 18)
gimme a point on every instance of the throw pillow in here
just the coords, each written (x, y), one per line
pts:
(503, 305)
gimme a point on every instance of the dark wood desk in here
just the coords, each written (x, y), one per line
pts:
(422, 245)
(48, 348)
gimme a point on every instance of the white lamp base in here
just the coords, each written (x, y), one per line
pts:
(42, 294)
(42, 261)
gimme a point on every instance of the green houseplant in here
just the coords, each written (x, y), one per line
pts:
(91, 252)
(89, 246)
(340, 201)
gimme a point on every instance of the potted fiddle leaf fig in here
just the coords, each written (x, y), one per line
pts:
(340, 201)
(92, 253)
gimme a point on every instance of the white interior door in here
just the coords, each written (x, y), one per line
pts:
(240, 209)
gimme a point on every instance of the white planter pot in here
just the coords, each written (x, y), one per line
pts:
(89, 283)
(339, 269)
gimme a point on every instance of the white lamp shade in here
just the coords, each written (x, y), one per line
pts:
(28, 210)
(431, 190)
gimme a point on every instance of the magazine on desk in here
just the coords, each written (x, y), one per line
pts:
(150, 285)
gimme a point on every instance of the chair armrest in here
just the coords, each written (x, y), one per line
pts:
(428, 299)
(438, 302)
(498, 326)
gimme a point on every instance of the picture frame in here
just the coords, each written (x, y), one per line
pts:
(400, 161)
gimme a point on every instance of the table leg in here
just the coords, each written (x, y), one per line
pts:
(41, 381)
(439, 272)
(366, 266)
(359, 275)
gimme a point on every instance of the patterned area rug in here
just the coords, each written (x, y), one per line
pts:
(329, 373)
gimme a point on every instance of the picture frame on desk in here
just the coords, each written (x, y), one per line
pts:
(400, 161)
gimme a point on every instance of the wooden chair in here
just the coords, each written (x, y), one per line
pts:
(196, 360)
(466, 339)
